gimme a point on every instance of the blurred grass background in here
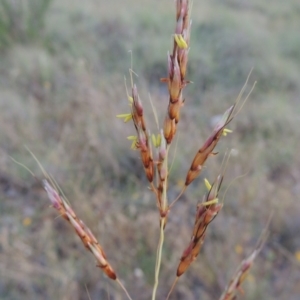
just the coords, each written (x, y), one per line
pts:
(62, 68)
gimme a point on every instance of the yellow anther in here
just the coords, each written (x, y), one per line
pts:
(181, 43)
(156, 140)
(130, 99)
(126, 117)
(153, 137)
(226, 131)
(207, 184)
(132, 138)
(210, 202)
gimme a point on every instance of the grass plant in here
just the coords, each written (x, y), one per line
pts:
(154, 151)
(60, 91)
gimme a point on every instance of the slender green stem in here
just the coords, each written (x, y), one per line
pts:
(158, 257)
(163, 221)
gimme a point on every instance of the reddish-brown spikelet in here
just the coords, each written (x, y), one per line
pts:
(143, 140)
(149, 172)
(207, 149)
(137, 110)
(205, 214)
(175, 82)
(177, 64)
(162, 171)
(146, 153)
(84, 233)
(174, 109)
(160, 188)
(169, 129)
(183, 59)
(180, 5)
(102, 262)
(55, 199)
(240, 275)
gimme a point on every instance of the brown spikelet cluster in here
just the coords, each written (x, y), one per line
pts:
(177, 66)
(207, 149)
(239, 277)
(206, 212)
(143, 142)
(85, 234)
(162, 174)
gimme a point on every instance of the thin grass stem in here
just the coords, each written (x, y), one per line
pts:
(172, 287)
(123, 288)
(153, 188)
(180, 194)
(158, 257)
(163, 222)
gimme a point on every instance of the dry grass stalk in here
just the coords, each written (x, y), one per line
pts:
(85, 234)
(87, 237)
(234, 286)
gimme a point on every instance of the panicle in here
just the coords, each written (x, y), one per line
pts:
(143, 142)
(239, 277)
(84, 233)
(207, 149)
(177, 66)
(205, 214)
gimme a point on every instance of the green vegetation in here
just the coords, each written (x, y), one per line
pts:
(62, 71)
(21, 21)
